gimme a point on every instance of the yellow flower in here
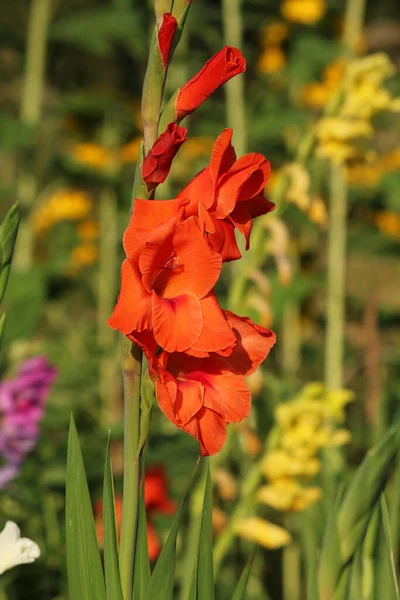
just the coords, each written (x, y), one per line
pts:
(287, 494)
(364, 174)
(280, 463)
(274, 33)
(306, 12)
(341, 139)
(129, 152)
(262, 532)
(83, 255)
(93, 155)
(388, 222)
(88, 230)
(271, 60)
(299, 188)
(318, 213)
(62, 205)
(195, 147)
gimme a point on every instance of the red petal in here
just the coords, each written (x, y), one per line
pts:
(166, 35)
(223, 155)
(254, 344)
(132, 311)
(148, 215)
(224, 241)
(216, 334)
(177, 322)
(209, 429)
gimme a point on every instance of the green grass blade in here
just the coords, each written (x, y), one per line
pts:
(85, 574)
(240, 589)
(2, 324)
(205, 570)
(386, 576)
(161, 586)
(111, 567)
(141, 572)
(364, 492)
(8, 235)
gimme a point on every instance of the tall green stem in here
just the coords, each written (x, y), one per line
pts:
(234, 89)
(131, 360)
(353, 23)
(336, 278)
(31, 109)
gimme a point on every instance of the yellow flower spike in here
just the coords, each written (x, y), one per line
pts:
(196, 147)
(315, 95)
(263, 532)
(306, 12)
(272, 60)
(226, 484)
(299, 189)
(93, 155)
(340, 437)
(288, 495)
(71, 205)
(280, 463)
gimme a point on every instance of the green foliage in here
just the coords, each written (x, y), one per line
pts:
(8, 236)
(205, 572)
(85, 574)
(111, 568)
(141, 573)
(98, 30)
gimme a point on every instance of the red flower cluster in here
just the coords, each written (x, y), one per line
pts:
(198, 354)
(156, 501)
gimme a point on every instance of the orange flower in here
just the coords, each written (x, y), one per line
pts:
(156, 501)
(167, 286)
(202, 395)
(224, 65)
(228, 193)
(158, 162)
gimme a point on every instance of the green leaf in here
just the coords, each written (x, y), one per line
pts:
(85, 575)
(8, 235)
(161, 584)
(386, 577)
(111, 568)
(364, 492)
(2, 323)
(205, 571)
(141, 571)
(240, 589)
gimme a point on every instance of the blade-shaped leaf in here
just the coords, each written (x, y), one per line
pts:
(205, 570)
(161, 584)
(85, 575)
(240, 590)
(386, 577)
(2, 323)
(8, 235)
(364, 492)
(111, 568)
(141, 572)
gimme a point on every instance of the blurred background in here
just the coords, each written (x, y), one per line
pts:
(70, 131)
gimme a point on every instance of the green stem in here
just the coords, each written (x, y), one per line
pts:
(31, 109)
(291, 572)
(234, 89)
(224, 541)
(336, 278)
(131, 360)
(107, 284)
(353, 23)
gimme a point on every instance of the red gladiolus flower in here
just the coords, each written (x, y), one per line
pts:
(156, 501)
(228, 193)
(165, 36)
(202, 395)
(167, 287)
(156, 165)
(224, 65)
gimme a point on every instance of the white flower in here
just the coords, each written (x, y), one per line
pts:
(15, 550)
